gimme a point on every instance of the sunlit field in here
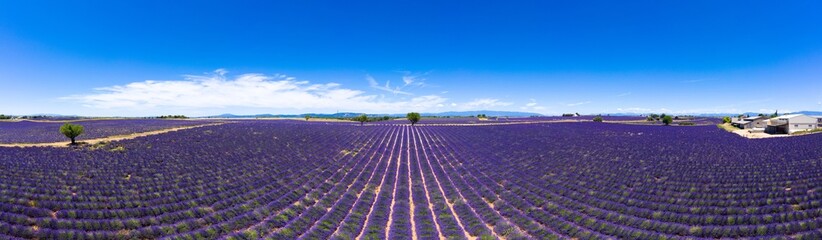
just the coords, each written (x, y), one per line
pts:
(291, 179)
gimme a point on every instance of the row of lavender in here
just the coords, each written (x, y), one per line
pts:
(43, 132)
(275, 180)
(587, 180)
(202, 183)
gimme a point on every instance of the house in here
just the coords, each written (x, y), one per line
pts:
(757, 123)
(792, 123)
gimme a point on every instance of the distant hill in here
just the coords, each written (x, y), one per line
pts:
(353, 114)
(811, 113)
(487, 113)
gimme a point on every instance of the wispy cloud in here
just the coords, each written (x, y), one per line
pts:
(577, 103)
(624, 94)
(387, 87)
(247, 90)
(411, 79)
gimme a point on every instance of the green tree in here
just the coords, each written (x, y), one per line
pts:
(775, 114)
(667, 120)
(362, 119)
(307, 117)
(654, 116)
(414, 117)
(598, 119)
(726, 120)
(71, 131)
(649, 119)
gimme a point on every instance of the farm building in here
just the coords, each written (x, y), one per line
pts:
(754, 123)
(792, 123)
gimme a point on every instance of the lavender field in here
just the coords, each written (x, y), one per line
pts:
(43, 132)
(312, 180)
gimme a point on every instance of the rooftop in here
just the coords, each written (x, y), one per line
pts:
(790, 116)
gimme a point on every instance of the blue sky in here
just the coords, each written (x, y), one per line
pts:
(140, 58)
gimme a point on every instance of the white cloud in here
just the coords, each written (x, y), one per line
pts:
(248, 90)
(577, 103)
(482, 103)
(373, 83)
(624, 94)
(635, 110)
(532, 106)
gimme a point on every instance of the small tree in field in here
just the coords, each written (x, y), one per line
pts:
(667, 120)
(414, 117)
(71, 131)
(727, 119)
(598, 119)
(307, 117)
(362, 119)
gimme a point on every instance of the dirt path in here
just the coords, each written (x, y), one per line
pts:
(374, 150)
(428, 197)
(437, 146)
(411, 192)
(439, 187)
(377, 197)
(453, 149)
(370, 178)
(110, 138)
(369, 143)
(394, 192)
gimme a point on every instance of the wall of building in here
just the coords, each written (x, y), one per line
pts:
(759, 123)
(792, 128)
(802, 123)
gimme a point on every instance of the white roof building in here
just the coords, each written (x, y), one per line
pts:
(792, 123)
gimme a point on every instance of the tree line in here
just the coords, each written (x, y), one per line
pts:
(413, 117)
